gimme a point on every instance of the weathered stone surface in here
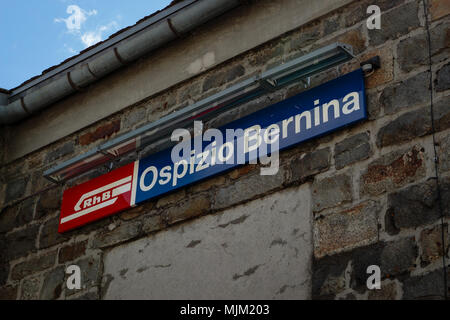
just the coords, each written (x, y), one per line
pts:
(91, 295)
(349, 296)
(49, 234)
(439, 8)
(217, 79)
(356, 38)
(393, 258)
(171, 199)
(259, 250)
(8, 217)
(305, 37)
(33, 265)
(20, 243)
(388, 291)
(103, 131)
(332, 24)
(72, 251)
(242, 171)
(8, 293)
(413, 52)
(143, 209)
(267, 54)
(398, 256)
(60, 152)
(386, 73)
(30, 289)
(429, 286)
(352, 149)
(444, 154)
(4, 271)
(192, 207)
(152, 223)
(405, 128)
(49, 202)
(346, 229)
(38, 181)
(393, 170)
(208, 184)
(120, 234)
(310, 164)
(90, 273)
(431, 243)
(329, 276)
(15, 189)
(412, 207)
(247, 188)
(373, 104)
(53, 284)
(134, 117)
(189, 92)
(331, 192)
(406, 94)
(441, 112)
(443, 78)
(353, 13)
(395, 23)
(26, 212)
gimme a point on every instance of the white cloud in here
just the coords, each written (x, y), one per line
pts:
(77, 17)
(90, 38)
(75, 26)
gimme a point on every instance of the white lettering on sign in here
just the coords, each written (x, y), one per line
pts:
(249, 141)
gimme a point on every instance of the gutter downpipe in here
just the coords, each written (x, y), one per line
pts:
(99, 65)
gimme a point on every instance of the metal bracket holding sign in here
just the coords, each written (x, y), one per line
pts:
(299, 69)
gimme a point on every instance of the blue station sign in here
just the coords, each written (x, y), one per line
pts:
(256, 137)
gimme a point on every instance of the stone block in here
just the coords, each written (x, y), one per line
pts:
(103, 131)
(442, 80)
(432, 246)
(352, 149)
(439, 8)
(72, 251)
(393, 170)
(406, 93)
(30, 289)
(310, 164)
(192, 207)
(33, 265)
(49, 234)
(412, 207)
(21, 243)
(124, 232)
(8, 293)
(53, 284)
(64, 150)
(405, 128)
(396, 23)
(49, 202)
(247, 188)
(425, 287)
(346, 229)
(331, 192)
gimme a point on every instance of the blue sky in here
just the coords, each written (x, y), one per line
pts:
(37, 34)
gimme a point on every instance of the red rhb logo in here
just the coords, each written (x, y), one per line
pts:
(97, 198)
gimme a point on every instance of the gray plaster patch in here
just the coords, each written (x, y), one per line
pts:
(266, 255)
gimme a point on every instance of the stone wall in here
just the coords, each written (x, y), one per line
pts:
(373, 191)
